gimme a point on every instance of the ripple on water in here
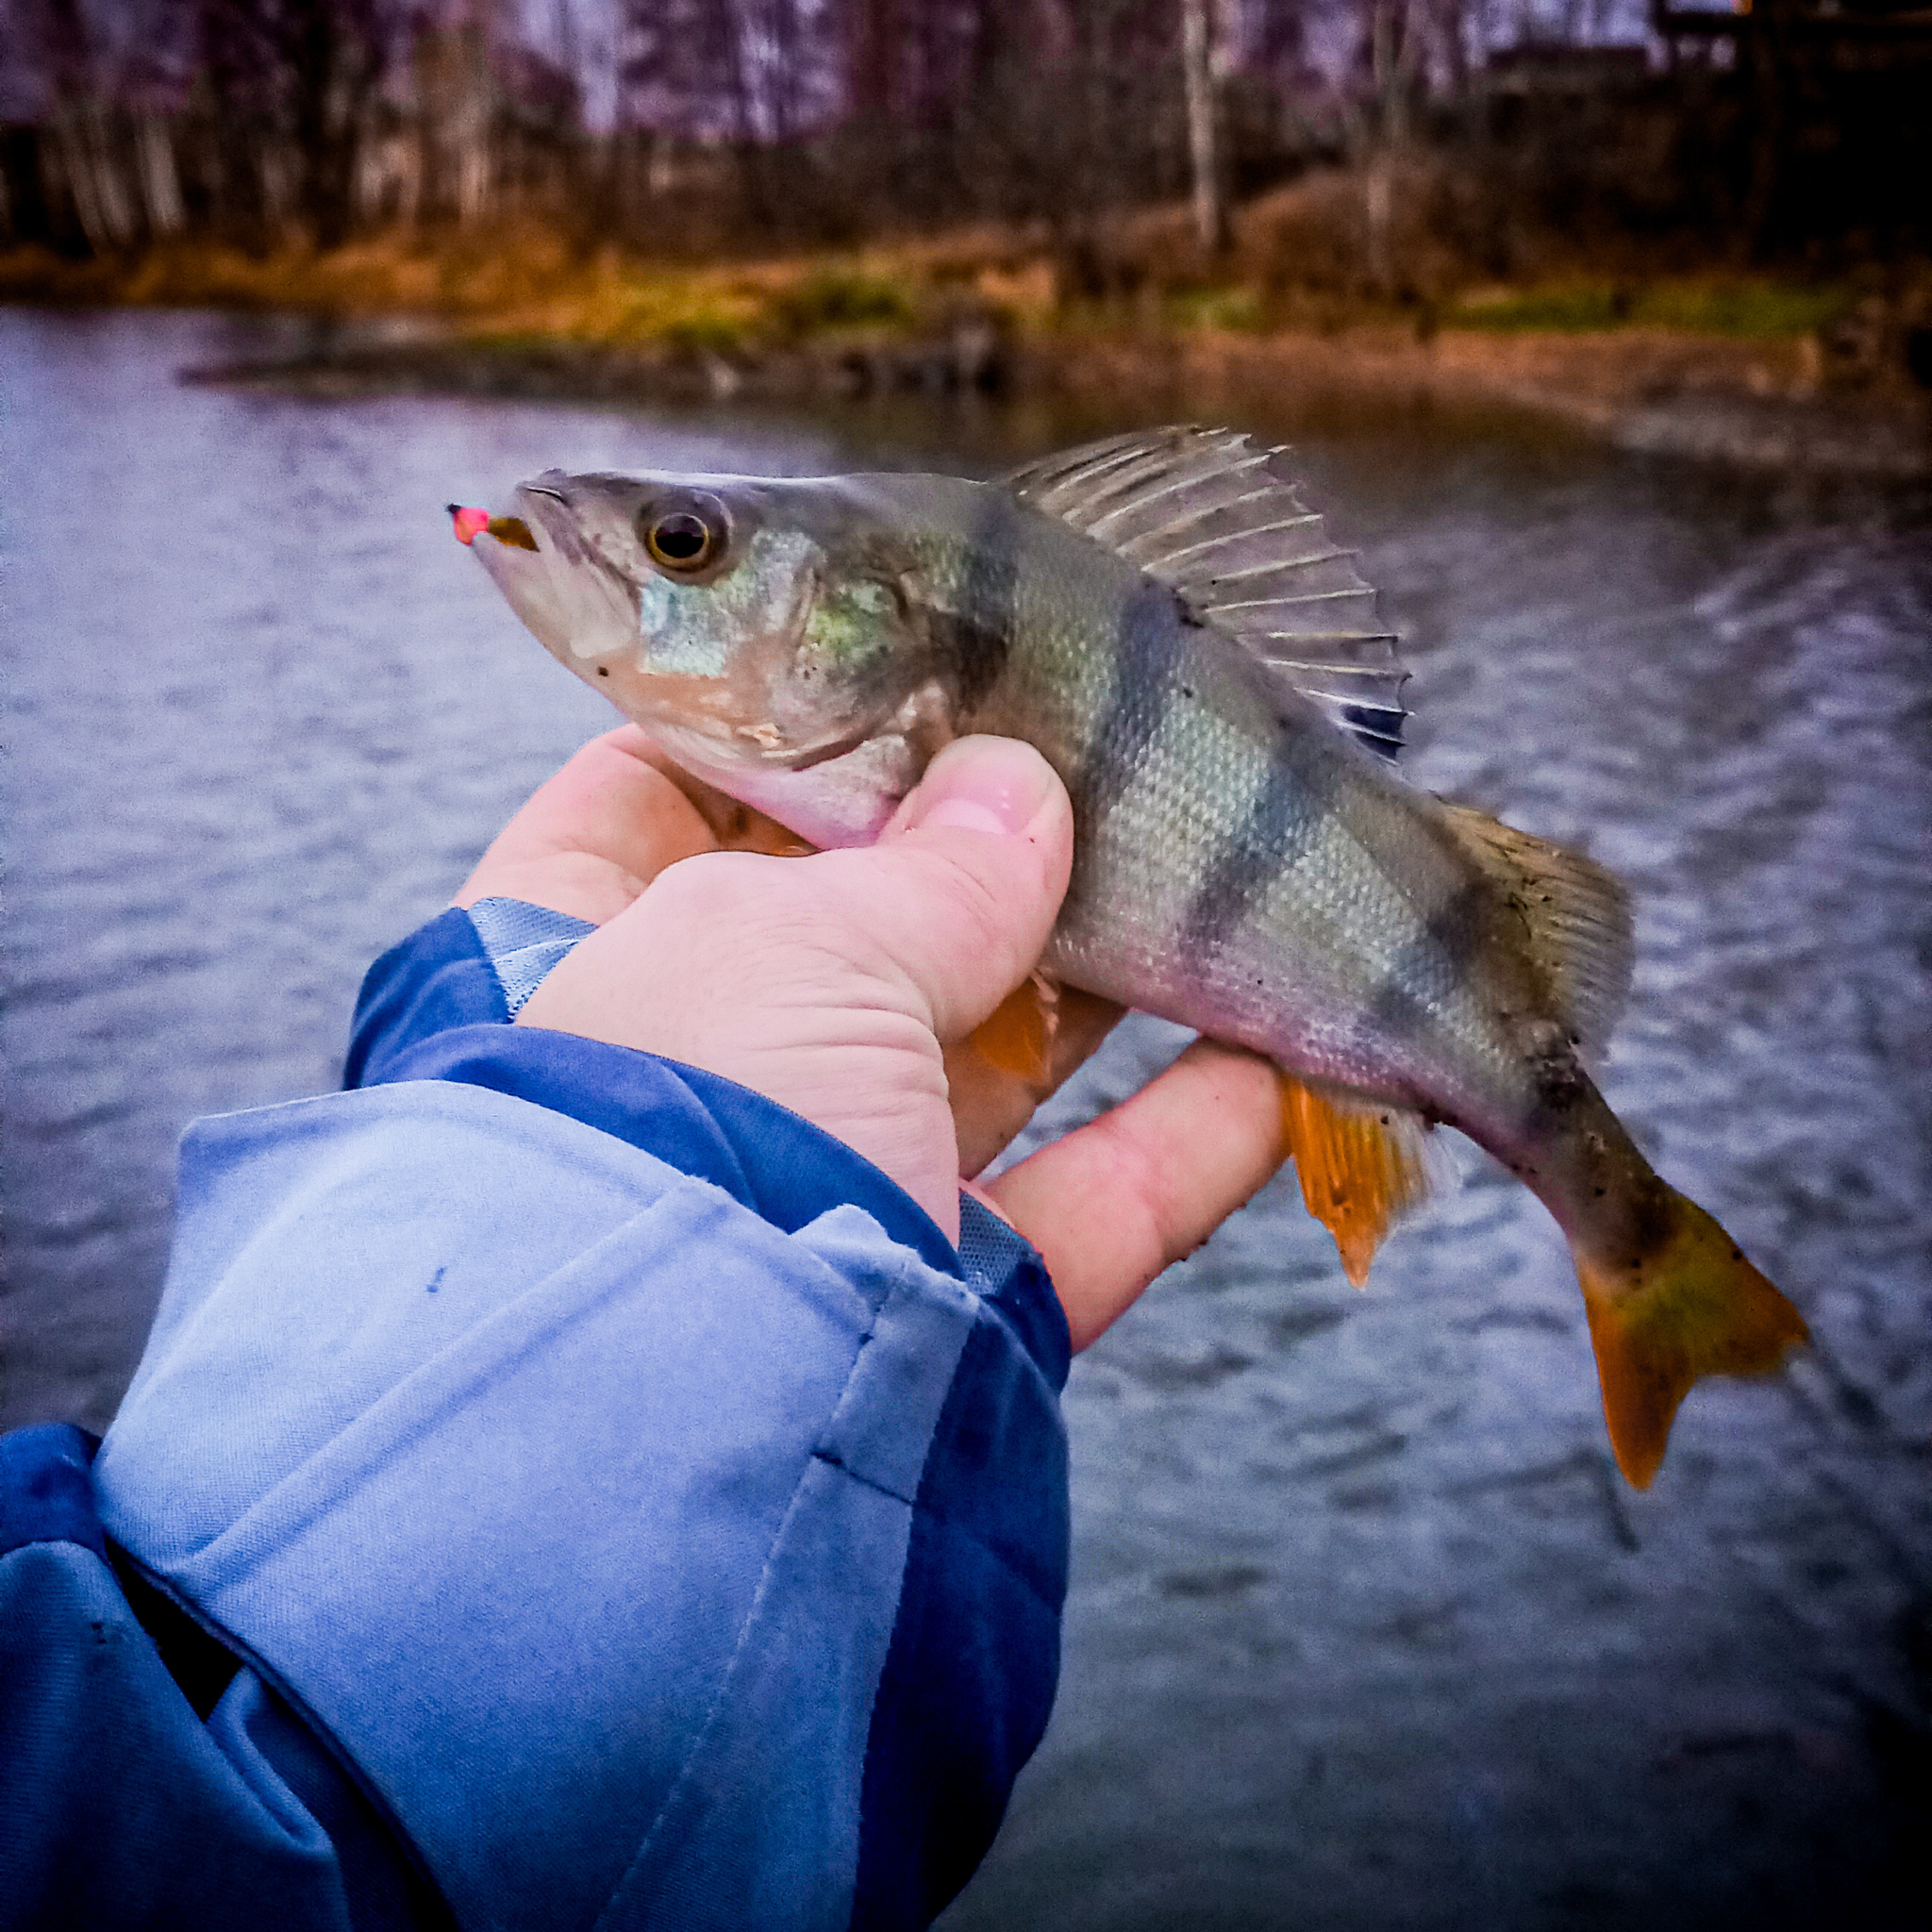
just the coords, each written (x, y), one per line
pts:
(1364, 1630)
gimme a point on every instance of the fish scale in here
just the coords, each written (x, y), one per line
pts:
(1164, 617)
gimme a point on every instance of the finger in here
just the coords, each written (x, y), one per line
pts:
(594, 836)
(826, 982)
(956, 901)
(1122, 1198)
(1086, 1020)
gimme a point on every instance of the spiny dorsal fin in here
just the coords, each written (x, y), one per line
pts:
(1211, 513)
(1362, 1165)
(1578, 917)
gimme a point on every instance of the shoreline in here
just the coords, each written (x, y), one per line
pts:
(1650, 392)
(950, 318)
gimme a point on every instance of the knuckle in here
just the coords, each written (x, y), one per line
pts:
(714, 888)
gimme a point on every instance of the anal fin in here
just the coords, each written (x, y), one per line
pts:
(1362, 1166)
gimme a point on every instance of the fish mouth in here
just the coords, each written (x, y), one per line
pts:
(579, 607)
(537, 521)
(472, 523)
(542, 510)
(510, 531)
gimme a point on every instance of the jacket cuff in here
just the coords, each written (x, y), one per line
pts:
(580, 1506)
(434, 1007)
(472, 968)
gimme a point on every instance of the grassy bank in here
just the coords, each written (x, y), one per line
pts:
(1750, 365)
(524, 282)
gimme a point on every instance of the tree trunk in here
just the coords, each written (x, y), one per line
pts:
(1204, 132)
(1766, 49)
(101, 201)
(1395, 43)
(161, 179)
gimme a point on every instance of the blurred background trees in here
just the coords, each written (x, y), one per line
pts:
(1797, 130)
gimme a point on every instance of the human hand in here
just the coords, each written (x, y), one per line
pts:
(845, 984)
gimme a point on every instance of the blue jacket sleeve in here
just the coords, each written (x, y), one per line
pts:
(150, 1777)
(654, 1511)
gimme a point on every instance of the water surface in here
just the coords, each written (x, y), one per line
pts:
(1364, 1631)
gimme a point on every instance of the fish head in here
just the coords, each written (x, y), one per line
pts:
(741, 621)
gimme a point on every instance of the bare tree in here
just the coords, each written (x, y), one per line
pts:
(293, 86)
(1392, 61)
(1202, 58)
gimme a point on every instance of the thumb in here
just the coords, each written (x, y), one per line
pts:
(963, 886)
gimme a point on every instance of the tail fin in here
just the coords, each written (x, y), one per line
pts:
(1690, 1306)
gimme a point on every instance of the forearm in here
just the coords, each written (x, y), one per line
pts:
(585, 1444)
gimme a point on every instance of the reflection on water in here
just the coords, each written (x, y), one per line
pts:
(1364, 1631)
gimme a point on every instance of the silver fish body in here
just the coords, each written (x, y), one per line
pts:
(1242, 866)
(1166, 622)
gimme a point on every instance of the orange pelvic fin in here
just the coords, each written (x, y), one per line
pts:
(1363, 1167)
(1014, 1059)
(1017, 1036)
(1690, 1306)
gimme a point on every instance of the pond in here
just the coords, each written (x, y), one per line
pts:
(1364, 1630)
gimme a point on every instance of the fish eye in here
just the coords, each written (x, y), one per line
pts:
(682, 542)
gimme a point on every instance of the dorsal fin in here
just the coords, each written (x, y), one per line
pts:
(1578, 917)
(1212, 514)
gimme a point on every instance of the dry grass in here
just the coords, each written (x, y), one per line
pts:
(1304, 259)
(1305, 288)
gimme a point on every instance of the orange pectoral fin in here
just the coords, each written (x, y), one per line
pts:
(1361, 1167)
(1693, 1306)
(1001, 1072)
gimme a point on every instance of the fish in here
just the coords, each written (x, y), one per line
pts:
(1165, 619)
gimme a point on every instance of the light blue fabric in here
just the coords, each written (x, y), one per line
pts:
(569, 1495)
(523, 942)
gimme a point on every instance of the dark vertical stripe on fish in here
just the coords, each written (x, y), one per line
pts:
(979, 634)
(1440, 950)
(1148, 640)
(1274, 833)
(1147, 646)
